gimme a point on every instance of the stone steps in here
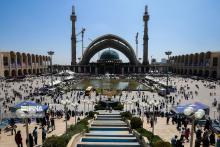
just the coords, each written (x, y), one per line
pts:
(108, 131)
(108, 144)
(109, 135)
(108, 139)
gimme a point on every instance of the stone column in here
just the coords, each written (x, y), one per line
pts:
(79, 69)
(96, 70)
(122, 70)
(139, 69)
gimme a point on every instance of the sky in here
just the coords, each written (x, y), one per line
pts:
(37, 26)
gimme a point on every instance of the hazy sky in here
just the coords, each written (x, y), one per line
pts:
(36, 26)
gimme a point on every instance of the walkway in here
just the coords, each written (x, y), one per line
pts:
(108, 130)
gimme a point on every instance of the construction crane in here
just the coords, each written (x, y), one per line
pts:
(136, 45)
(82, 36)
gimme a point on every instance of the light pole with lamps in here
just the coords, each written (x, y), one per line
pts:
(153, 104)
(65, 103)
(75, 105)
(142, 110)
(88, 102)
(200, 113)
(168, 53)
(129, 102)
(25, 114)
(51, 53)
(84, 106)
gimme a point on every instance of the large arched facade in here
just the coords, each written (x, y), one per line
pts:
(109, 41)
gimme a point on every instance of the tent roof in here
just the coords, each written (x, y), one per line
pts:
(196, 106)
(29, 103)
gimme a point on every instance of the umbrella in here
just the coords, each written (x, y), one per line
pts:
(31, 105)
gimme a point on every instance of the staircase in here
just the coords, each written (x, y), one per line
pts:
(108, 130)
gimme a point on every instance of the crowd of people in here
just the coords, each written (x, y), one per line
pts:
(14, 92)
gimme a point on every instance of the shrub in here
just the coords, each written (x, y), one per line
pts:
(99, 107)
(62, 141)
(161, 144)
(155, 140)
(126, 115)
(92, 114)
(54, 141)
(136, 123)
(119, 107)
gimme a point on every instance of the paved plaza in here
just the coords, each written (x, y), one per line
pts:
(8, 99)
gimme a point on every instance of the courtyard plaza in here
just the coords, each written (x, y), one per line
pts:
(205, 95)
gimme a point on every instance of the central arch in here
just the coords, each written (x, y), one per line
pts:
(109, 41)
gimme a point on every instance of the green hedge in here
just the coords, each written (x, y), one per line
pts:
(62, 141)
(155, 140)
(126, 115)
(136, 123)
(102, 106)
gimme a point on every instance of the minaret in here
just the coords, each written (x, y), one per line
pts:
(73, 37)
(145, 38)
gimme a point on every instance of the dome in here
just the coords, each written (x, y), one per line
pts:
(109, 55)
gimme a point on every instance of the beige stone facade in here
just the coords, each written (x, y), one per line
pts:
(198, 64)
(13, 64)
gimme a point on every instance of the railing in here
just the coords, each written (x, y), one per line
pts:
(141, 139)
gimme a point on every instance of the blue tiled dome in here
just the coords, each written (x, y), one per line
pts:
(109, 55)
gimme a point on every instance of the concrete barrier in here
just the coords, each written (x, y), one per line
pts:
(73, 141)
(141, 139)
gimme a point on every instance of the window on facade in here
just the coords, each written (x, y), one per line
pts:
(5, 61)
(215, 61)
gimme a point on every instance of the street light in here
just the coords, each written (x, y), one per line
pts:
(24, 114)
(200, 113)
(142, 112)
(51, 53)
(88, 102)
(65, 103)
(93, 102)
(84, 109)
(168, 53)
(75, 105)
(129, 102)
(154, 104)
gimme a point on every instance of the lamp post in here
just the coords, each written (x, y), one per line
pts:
(168, 53)
(75, 105)
(88, 102)
(21, 114)
(153, 104)
(51, 53)
(142, 110)
(200, 113)
(93, 103)
(129, 102)
(84, 106)
(65, 103)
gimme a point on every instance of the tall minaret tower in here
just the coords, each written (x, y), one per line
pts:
(145, 38)
(73, 37)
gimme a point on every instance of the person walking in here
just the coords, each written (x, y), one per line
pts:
(44, 134)
(31, 141)
(35, 135)
(18, 139)
(52, 123)
(187, 132)
(173, 141)
(217, 144)
(212, 138)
